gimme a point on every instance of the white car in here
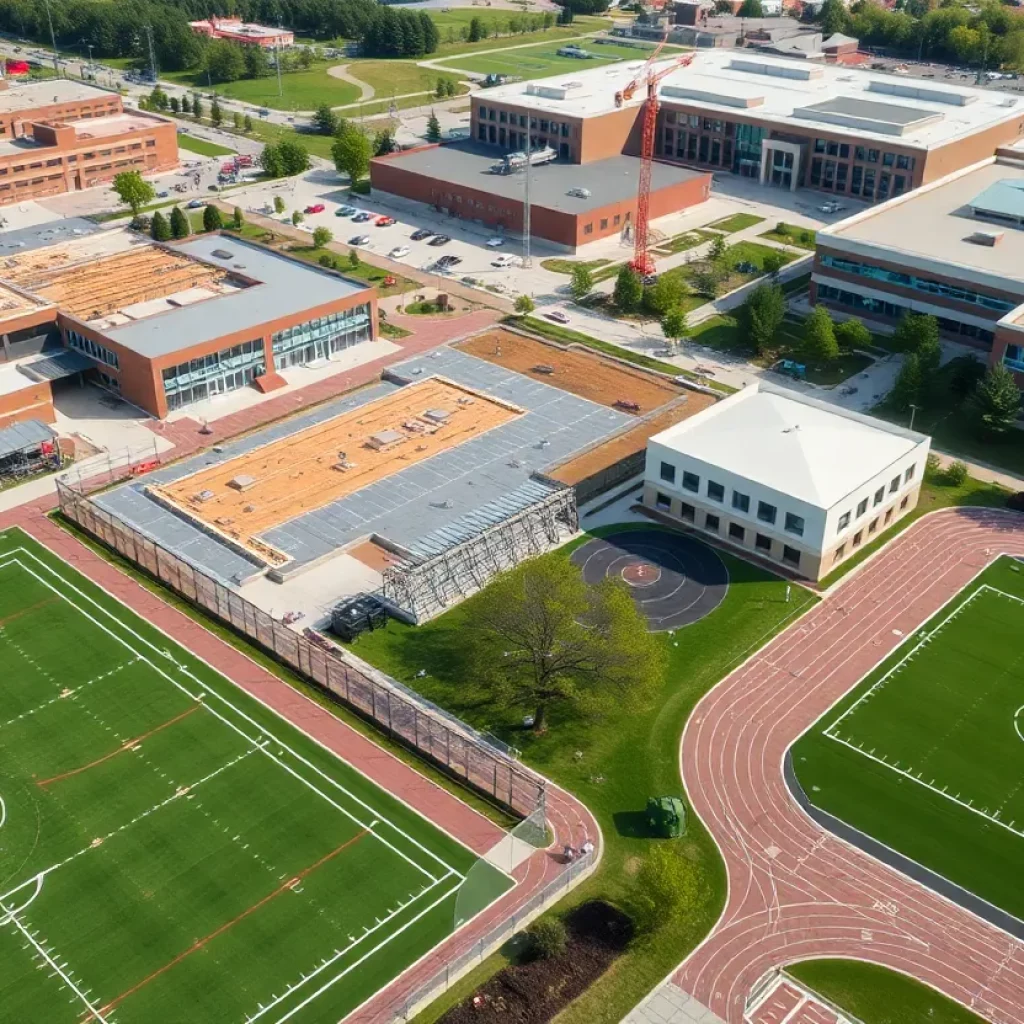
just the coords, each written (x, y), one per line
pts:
(579, 193)
(398, 252)
(496, 242)
(507, 260)
(359, 240)
(558, 316)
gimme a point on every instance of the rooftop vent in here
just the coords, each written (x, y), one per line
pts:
(223, 254)
(242, 482)
(760, 67)
(989, 238)
(437, 415)
(930, 93)
(384, 439)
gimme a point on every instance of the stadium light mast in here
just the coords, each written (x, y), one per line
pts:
(53, 38)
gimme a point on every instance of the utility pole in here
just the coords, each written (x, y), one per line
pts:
(527, 259)
(152, 54)
(913, 410)
(53, 39)
(277, 63)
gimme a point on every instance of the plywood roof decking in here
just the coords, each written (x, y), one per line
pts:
(588, 375)
(630, 442)
(106, 285)
(298, 473)
(14, 304)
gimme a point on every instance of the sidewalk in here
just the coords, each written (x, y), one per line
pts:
(982, 471)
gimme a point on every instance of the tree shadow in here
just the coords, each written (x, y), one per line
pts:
(632, 825)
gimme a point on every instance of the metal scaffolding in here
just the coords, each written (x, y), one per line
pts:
(461, 558)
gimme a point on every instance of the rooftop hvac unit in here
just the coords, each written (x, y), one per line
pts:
(989, 238)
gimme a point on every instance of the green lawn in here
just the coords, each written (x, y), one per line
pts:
(458, 18)
(789, 234)
(680, 243)
(876, 995)
(557, 265)
(302, 90)
(178, 844)
(736, 222)
(790, 342)
(927, 753)
(741, 252)
(628, 756)
(202, 147)
(542, 60)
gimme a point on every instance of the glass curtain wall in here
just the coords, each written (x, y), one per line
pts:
(214, 374)
(322, 338)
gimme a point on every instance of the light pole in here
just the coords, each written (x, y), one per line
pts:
(913, 410)
(53, 38)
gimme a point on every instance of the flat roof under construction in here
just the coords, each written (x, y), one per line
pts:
(416, 508)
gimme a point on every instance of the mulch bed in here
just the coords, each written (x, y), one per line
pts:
(534, 992)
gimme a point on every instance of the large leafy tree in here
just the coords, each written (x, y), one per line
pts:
(582, 281)
(133, 190)
(914, 331)
(674, 325)
(179, 223)
(629, 289)
(325, 120)
(351, 151)
(819, 340)
(542, 638)
(996, 402)
(761, 316)
(909, 384)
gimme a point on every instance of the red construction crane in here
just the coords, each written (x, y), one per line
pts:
(642, 262)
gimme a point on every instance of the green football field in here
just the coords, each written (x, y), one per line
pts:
(927, 753)
(541, 60)
(172, 850)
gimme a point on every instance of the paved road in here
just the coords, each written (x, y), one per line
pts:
(795, 891)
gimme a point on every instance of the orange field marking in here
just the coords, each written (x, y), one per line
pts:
(25, 611)
(127, 745)
(200, 943)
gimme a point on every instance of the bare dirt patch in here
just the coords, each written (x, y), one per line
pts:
(534, 992)
(586, 374)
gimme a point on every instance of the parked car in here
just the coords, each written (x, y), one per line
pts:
(162, 194)
(507, 260)
(362, 218)
(384, 222)
(315, 208)
(398, 252)
(195, 204)
(496, 242)
(447, 262)
(344, 211)
(420, 233)
(439, 240)
(359, 240)
(558, 316)
(579, 193)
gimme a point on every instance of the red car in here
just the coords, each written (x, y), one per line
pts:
(384, 222)
(318, 208)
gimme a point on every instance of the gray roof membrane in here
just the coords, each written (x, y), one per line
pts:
(26, 434)
(432, 505)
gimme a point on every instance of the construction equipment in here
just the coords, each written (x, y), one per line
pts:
(642, 262)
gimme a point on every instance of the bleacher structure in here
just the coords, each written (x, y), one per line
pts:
(462, 557)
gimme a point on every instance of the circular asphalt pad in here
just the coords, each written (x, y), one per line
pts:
(675, 580)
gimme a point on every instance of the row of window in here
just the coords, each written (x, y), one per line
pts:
(879, 497)
(958, 293)
(321, 338)
(736, 533)
(840, 552)
(247, 356)
(828, 174)
(72, 159)
(893, 311)
(714, 491)
(864, 154)
(91, 348)
(542, 124)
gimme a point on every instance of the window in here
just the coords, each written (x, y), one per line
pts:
(687, 512)
(502, 117)
(903, 503)
(857, 538)
(694, 121)
(873, 156)
(763, 543)
(844, 522)
(716, 492)
(791, 556)
(872, 526)
(833, 149)
(840, 551)
(888, 159)
(888, 516)
(91, 348)
(320, 338)
(691, 482)
(879, 495)
(736, 532)
(662, 501)
(844, 151)
(894, 484)
(859, 153)
(740, 502)
(711, 522)
(862, 508)
(616, 220)
(765, 512)
(909, 475)
(819, 145)
(668, 472)
(604, 223)
(903, 162)
(794, 524)
(588, 229)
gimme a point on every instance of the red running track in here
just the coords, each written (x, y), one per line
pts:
(796, 891)
(569, 820)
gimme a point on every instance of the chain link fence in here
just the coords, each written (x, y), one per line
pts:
(453, 969)
(458, 749)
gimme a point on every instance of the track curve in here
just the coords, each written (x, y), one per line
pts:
(796, 891)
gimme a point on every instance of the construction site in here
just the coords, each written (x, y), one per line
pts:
(419, 488)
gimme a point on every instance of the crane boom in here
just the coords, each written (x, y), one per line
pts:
(642, 261)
